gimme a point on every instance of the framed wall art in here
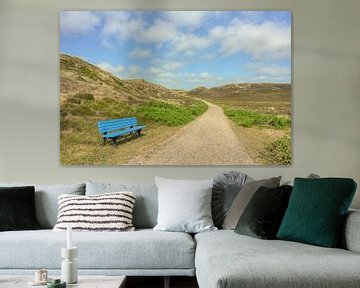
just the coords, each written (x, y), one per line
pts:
(175, 88)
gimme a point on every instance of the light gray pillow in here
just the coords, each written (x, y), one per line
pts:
(243, 198)
(184, 205)
(146, 204)
(46, 200)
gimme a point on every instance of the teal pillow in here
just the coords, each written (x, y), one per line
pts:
(316, 211)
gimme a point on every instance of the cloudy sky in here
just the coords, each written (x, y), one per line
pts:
(182, 49)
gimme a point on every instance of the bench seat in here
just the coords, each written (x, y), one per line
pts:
(114, 128)
(123, 132)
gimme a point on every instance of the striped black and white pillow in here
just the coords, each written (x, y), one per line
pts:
(105, 212)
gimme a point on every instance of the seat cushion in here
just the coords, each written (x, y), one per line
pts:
(143, 249)
(226, 259)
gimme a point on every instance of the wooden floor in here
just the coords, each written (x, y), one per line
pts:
(158, 282)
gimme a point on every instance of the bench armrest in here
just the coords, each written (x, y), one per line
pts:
(351, 234)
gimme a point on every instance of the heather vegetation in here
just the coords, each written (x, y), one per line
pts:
(278, 151)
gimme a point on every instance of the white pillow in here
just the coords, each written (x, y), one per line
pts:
(184, 205)
(104, 212)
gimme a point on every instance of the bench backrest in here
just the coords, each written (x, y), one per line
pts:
(116, 124)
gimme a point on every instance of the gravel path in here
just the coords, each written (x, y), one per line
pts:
(208, 140)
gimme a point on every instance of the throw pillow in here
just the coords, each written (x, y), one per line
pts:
(184, 205)
(106, 212)
(317, 209)
(243, 198)
(46, 200)
(311, 176)
(17, 209)
(226, 187)
(263, 215)
(146, 205)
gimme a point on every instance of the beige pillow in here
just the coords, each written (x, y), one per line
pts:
(243, 198)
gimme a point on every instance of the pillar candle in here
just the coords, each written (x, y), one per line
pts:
(69, 237)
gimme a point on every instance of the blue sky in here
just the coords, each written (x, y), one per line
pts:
(182, 49)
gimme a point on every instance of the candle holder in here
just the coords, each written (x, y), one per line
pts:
(68, 265)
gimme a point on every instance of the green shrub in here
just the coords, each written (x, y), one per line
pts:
(169, 114)
(278, 151)
(248, 118)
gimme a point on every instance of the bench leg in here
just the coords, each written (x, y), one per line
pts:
(167, 282)
(104, 141)
(114, 141)
(139, 132)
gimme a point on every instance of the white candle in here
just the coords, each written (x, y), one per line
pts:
(69, 239)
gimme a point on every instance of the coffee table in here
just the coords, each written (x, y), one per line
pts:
(84, 281)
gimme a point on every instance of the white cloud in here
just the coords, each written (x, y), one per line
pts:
(172, 65)
(111, 68)
(140, 53)
(121, 25)
(186, 18)
(159, 32)
(274, 70)
(188, 43)
(265, 40)
(134, 70)
(270, 72)
(78, 22)
(181, 80)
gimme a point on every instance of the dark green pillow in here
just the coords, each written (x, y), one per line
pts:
(316, 211)
(263, 214)
(17, 208)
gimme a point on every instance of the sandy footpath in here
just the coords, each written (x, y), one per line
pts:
(208, 140)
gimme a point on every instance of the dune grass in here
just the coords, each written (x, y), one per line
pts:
(247, 118)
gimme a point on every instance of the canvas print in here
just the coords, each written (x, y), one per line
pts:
(175, 88)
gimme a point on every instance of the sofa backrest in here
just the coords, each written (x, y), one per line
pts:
(46, 200)
(146, 203)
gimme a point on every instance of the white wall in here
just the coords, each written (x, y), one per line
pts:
(326, 90)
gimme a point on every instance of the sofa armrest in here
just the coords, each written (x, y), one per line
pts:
(351, 234)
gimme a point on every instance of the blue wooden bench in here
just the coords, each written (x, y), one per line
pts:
(114, 128)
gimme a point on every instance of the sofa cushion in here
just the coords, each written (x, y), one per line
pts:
(143, 249)
(263, 215)
(225, 259)
(226, 187)
(184, 205)
(317, 209)
(146, 205)
(46, 200)
(105, 212)
(243, 198)
(17, 208)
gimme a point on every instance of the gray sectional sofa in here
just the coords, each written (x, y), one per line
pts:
(219, 259)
